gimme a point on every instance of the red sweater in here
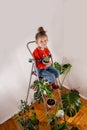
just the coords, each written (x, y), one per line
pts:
(38, 54)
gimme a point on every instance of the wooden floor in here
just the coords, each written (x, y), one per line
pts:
(80, 119)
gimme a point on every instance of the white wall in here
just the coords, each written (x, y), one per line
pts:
(19, 21)
(75, 43)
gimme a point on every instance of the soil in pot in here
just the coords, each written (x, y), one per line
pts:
(51, 103)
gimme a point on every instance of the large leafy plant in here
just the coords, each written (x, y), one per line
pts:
(71, 103)
(41, 87)
(63, 69)
(70, 100)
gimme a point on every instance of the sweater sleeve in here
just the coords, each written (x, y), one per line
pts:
(37, 56)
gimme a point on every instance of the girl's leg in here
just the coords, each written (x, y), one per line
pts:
(56, 73)
(50, 77)
(53, 71)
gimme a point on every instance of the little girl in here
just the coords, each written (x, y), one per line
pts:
(43, 61)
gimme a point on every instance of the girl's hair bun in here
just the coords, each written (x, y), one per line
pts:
(41, 30)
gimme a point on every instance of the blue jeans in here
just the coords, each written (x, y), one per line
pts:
(50, 73)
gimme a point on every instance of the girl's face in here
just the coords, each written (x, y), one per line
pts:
(42, 42)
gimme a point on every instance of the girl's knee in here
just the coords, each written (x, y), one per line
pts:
(51, 78)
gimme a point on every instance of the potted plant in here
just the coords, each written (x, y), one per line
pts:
(63, 69)
(27, 122)
(42, 88)
(71, 102)
(55, 125)
(51, 103)
(54, 118)
(45, 59)
(71, 105)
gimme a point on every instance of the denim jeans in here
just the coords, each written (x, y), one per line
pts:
(50, 74)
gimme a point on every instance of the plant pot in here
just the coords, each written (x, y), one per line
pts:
(45, 60)
(60, 113)
(51, 103)
(74, 128)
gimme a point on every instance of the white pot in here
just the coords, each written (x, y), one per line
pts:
(60, 113)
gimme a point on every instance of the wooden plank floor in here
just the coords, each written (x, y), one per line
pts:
(80, 119)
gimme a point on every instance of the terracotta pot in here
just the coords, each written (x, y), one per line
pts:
(51, 103)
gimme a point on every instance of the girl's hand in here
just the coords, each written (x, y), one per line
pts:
(49, 64)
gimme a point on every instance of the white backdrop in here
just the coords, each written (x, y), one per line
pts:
(65, 22)
(75, 43)
(19, 21)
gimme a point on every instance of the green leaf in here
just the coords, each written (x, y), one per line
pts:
(57, 66)
(71, 103)
(65, 68)
(62, 126)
